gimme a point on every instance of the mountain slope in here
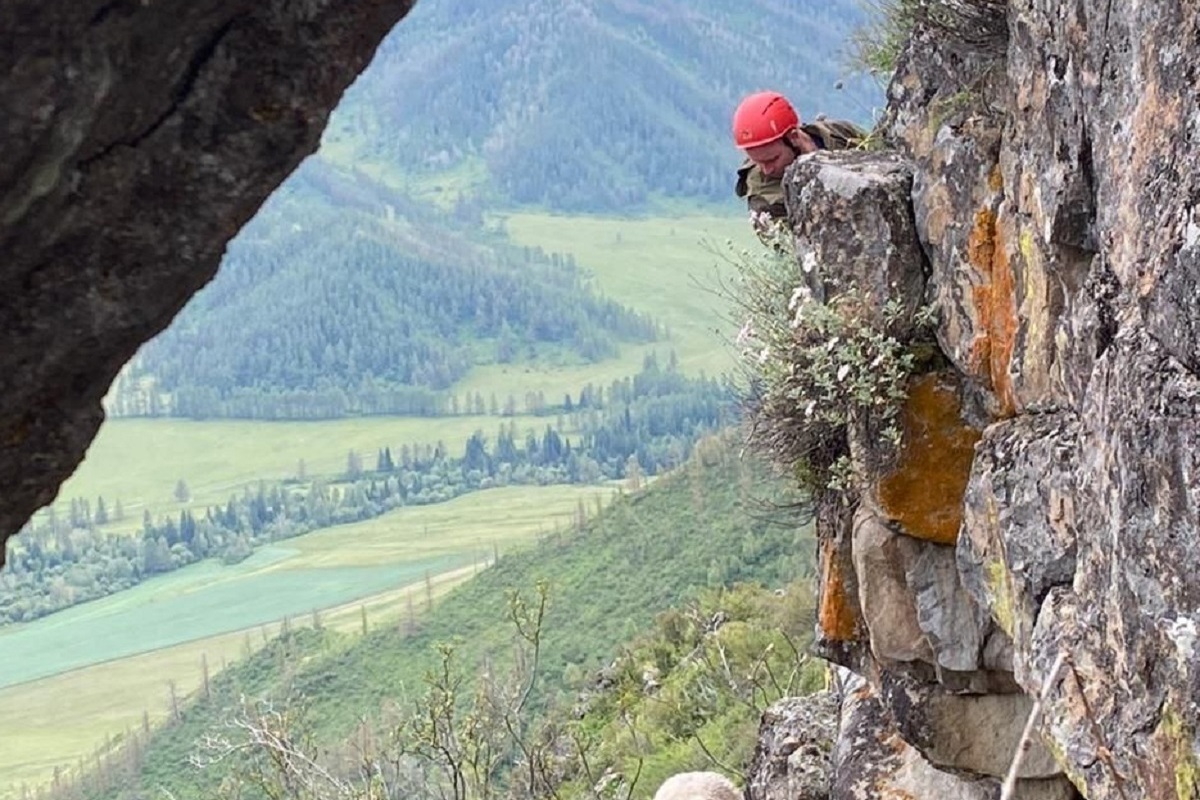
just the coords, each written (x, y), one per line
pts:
(341, 288)
(585, 105)
(701, 526)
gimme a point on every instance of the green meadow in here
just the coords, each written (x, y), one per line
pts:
(319, 570)
(139, 461)
(112, 697)
(195, 602)
(116, 657)
(664, 266)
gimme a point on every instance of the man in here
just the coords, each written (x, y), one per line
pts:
(768, 129)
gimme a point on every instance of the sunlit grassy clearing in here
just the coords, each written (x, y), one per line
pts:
(498, 516)
(140, 461)
(100, 631)
(110, 698)
(661, 265)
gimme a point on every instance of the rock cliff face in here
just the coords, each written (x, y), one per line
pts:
(138, 136)
(1040, 189)
(1045, 506)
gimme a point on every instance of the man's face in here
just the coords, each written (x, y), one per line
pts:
(772, 158)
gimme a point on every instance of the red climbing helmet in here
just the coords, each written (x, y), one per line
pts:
(763, 117)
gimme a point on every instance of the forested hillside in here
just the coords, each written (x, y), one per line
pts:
(707, 525)
(593, 106)
(344, 297)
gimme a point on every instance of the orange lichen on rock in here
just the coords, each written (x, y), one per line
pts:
(996, 179)
(837, 616)
(981, 245)
(996, 309)
(925, 492)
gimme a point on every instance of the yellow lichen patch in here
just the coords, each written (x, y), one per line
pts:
(1174, 743)
(996, 577)
(925, 492)
(995, 308)
(837, 617)
(1026, 244)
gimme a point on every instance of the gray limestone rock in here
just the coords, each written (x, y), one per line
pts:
(793, 758)
(853, 226)
(1080, 539)
(874, 762)
(1128, 619)
(972, 733)
(881, 558)
(1020, 523)
(953, 624)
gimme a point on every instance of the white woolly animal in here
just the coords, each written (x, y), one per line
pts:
(697, 786)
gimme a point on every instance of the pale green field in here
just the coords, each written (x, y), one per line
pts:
(139, 461)
(287, 579)
(664, 266)
(472, 523)
(93, 654)
(469, 176)
(110, 698)
(197, 602)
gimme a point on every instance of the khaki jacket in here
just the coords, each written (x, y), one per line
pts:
(764, 195)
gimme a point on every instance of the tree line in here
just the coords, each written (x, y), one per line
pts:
(371, 398)
(645, 424)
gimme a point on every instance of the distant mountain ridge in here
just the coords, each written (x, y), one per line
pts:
(370, 282)
(581, 105)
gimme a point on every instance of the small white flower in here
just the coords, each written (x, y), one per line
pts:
(1182, 632)
(800, 296)
(842, 372)
(808, 409)
(764, 355)
(809, 262)
(745, 333)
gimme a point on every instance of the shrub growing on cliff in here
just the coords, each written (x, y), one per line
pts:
(816, 370)
(876, 44)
